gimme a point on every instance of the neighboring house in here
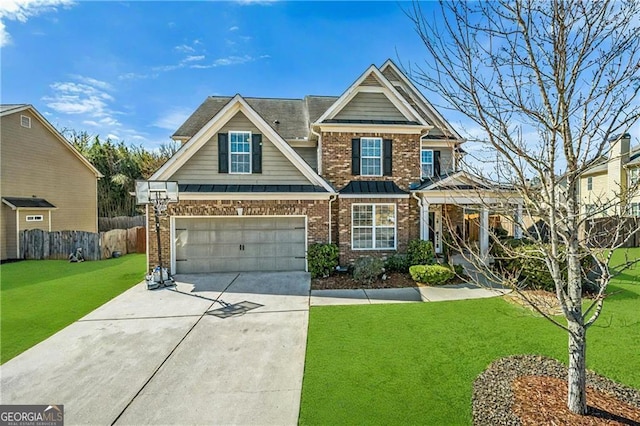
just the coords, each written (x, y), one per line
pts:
(610, 186)
(45, 183)
(261, 179)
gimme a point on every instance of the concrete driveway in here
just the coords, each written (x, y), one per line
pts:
(161, 357)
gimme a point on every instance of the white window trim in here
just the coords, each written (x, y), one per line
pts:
(22, 118)
(374, 227)
(590, 183)
(35, 218)
(422, 176)
(250, 152)
(634, 209)
(634, 174)
(381, 157)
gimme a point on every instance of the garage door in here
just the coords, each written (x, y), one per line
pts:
(239, 244)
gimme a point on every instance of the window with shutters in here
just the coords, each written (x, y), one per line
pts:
(371, 157)
(373, 226)
(426, 163)
(240, 152)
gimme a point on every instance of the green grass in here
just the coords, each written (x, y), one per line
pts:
(41, 297)
(415, 363)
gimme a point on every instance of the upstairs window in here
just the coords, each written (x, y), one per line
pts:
(634, 209)
(371, 156)
(634, 176)
(240, 152)
(426, 163)
(590, 183)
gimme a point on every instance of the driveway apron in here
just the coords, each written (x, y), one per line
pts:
(162, 357)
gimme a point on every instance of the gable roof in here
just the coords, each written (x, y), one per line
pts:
(424, 106)
(8, 109)
(457, 180)
(600, 164)
(233, 106)
(385, 87)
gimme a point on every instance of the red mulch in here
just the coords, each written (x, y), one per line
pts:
(539, 400)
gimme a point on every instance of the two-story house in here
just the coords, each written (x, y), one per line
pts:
(611, 185)
(45, 183)
(261, 179)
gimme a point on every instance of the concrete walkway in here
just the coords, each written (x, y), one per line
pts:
(402, 295)
(159, 357)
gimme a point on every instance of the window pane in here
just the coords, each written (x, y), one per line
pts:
(371, 166)
(362, 215)
(240, 163)
(427, 170)
(362, 238)
(427, 156)
(385, 215)
(385, 238)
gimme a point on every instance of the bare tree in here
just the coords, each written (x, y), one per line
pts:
(552, 85)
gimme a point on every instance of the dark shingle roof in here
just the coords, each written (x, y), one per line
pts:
(249, 188)
(293, 115)
(372, 187)
(33, 203)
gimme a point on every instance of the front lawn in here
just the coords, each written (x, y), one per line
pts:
(415, 363)
(41, 297)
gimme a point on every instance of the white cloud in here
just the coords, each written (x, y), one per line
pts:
(113, 137)
(184, 48)
(234, 28)
(22, 10)
(255, 2)
(193, 58)
(172, 119)
(135, 76)
(93, 82)
(223, 62)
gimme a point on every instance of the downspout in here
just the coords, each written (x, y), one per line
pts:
(318, 150)
(332, 198)
(420, 205)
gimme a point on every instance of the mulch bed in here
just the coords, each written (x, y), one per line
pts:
(345, 281)
(532, 390)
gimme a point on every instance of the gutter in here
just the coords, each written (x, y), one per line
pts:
(318, 150)
(332, 198)
(420, 205)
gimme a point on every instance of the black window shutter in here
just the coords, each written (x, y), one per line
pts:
(355, 157)
(436, 163)
(223, 153)
(256, 153)
(387, 152)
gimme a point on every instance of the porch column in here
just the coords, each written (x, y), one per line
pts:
(484, 232)
(424, 228)
(517, 230)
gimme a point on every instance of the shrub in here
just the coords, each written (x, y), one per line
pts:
(420, 252)
(459, 270)
(533, 270)
(397, 263)
(322, 259)
(367, 269)
(431, 274)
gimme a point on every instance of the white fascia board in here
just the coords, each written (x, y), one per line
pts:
(17, 108)
(430, 110)
(387, 88)
(459, 197)
(457, 176)
(381, 196)
(255, 196)
(399, 129)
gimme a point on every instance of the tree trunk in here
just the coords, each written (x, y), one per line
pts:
(577, 378)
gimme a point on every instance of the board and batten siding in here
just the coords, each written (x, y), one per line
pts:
(202, 167)
(370, 106)
(34, 162)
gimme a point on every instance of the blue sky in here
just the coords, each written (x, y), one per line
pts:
(134, 70)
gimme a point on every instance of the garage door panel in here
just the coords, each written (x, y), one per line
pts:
(240, 244)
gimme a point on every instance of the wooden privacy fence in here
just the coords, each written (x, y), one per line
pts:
(38, 244)
(613, 231)
(121, 222)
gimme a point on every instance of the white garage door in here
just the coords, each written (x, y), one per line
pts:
(239, 244)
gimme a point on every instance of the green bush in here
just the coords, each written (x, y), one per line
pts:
(533, 270)
(367, 269)
(431, 274)
(420, 252)
(397, 263)
(459, 270)
(322, 259)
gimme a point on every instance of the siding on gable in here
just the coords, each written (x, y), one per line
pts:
(309, 154)
(202, 167)
(370, 106)
(371, 80)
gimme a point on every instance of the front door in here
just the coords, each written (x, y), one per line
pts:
(432, 229)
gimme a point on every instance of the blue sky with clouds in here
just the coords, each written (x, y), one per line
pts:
(134, 70)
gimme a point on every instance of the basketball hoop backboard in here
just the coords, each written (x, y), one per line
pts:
(150, 192)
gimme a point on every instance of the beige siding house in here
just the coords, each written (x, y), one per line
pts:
(610, 186)
(44, 182)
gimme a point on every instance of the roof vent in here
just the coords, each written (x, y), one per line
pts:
(276, 122)
(25, 121)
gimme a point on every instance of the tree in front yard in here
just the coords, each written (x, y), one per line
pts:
(552, 86)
